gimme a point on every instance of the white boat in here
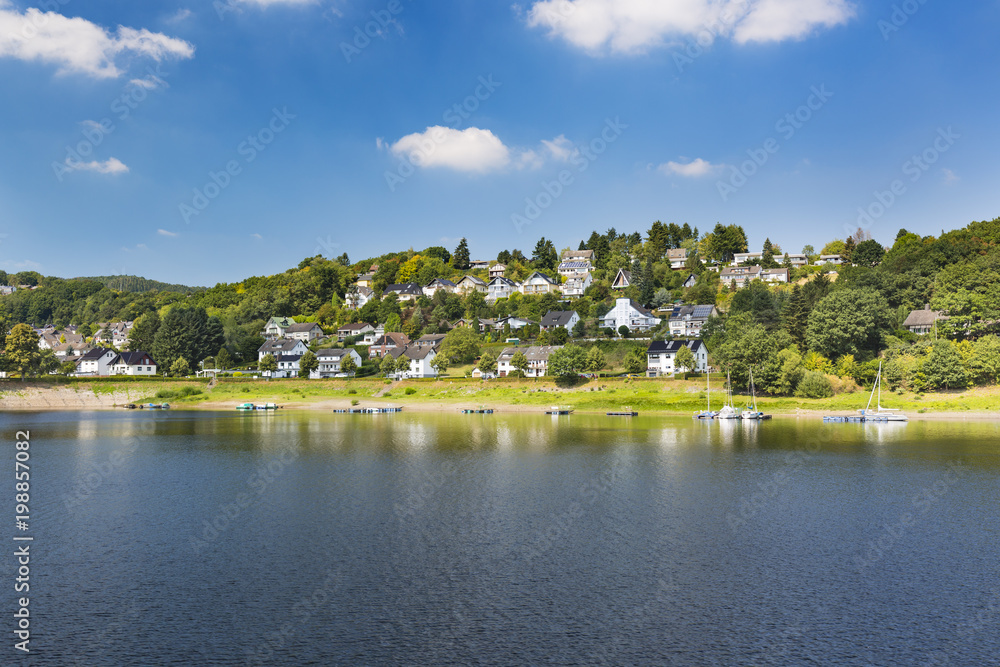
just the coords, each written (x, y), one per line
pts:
(880, 414)
(752, 412)
(707, 414)
(727, 411)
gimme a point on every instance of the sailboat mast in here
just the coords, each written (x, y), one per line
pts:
(878, 383)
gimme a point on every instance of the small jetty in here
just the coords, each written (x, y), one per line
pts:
(154, 406)
(250, 407)
(556, 410)
(625, 412)
(477, 411)
(366, 411)
(860, 419)
(130, 406)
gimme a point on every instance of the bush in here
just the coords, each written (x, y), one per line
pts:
(354, 401)
(814, 385)
(352, 391)
(410, 391)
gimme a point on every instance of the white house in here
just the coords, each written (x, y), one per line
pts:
(622, 279)
(306, 332)
(96, 362)
(743, 257)
(566, 319)
(330, 362)
(501, 288)
(431, 288)
(282, 346)
(569, 266)
(133, 363)
(677, 258)
(288, 365)
(498, 271)
(354, 330)
(740, 275)
(537, 356)
(631, 314)
(661, 355)
(687, 321)
(774, 275)
(470, 284)
(829, 259)
(539, 283)
(386, 343)
(576, 284)
(420, 361)
(797, 261)
(405, 291)
(276, 327)
(357, 297)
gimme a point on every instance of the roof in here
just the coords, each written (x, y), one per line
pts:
(542, 276)
(677, 253)
(635, 304)
(332, 353)
(417, 352)
(355, 326)
(691, 312)
(137, 358)
(774, 272)
(626, 274)
(288, 358)
(504, 281)
(585, 254)
(498, 267)
(573, 264)
(96, 353)
(540, 353)
(430, 339)
(279, 345)
(557, 318)
(405, 288)
(922, 318)
(392, 338)
(478, 281)
(673, 346)
(740, 271)
(442, 281)
(305, 326)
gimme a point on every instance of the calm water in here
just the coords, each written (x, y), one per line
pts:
(218, 539)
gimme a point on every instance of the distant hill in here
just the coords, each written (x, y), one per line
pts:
(135, 284)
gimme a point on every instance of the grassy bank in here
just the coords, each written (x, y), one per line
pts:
(664, 396)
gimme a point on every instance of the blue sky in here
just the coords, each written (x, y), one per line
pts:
(195, 143)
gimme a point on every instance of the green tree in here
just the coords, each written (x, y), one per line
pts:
(636, 361)
(545, 257)
(944, 368)
(767, 256)
(460, 345)
(814, 385)
(440, 364)
(307, 364)
(186, 331)
(984, 361)
(567, 361)
(596, 360)
(848, 321)
(67, 368)
(348, 366)
(460, 259)
(268, 364)
(488, 362)
(834, 247)
(388, 365)
(180, 367)
(402, 364)
(808, 250)
(868, 253)
(580, 328)
(685, 359)
(223, 360)
(519, 362)
(393, 324)
(22, 353)
(791, 372)
(623, 331)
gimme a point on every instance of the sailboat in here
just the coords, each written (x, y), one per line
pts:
(707, 414)
(728, 411)
(752, 412)
(880, 414)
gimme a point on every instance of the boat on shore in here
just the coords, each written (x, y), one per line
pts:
(707, 412)
(879, 415)
(728, 411)
(251, 407)
(154, 406)
(751, 412)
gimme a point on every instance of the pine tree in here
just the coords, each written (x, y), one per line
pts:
(795, 317)
(767, 256)
(460, 258)
(648, 286)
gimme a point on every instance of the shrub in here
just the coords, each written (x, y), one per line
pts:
(354, 401)
(237, 374)
(410, 391)
(814, 385)
(352, 391)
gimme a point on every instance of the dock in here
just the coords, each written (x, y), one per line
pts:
(623, 414)
(367, 411)
(483, 411)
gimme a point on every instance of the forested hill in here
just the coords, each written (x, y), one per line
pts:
(136, 284)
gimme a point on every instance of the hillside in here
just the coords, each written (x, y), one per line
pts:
(137, 285)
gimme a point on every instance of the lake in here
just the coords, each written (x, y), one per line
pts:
(430, 539)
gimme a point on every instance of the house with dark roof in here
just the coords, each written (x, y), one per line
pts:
(431, 288)
(740, 276)
(405, 291)
(501, 288)
(661, 356)
(354, 330)
(470, 283)
(568, 266)
(577, 283)
(357, 297)
(430, 340)
(281, 346)
(133, 363)
(631, 314)
(497, 271)
(96, 362)
(687, 321)
(288, 365)
(566, 319)
(922, 322)
(420, 361)
(386, 343)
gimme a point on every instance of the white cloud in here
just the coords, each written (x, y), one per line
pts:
(275, 3)
(256, 236)
(693, 169)
(629, 26)
(77, 46)
(560, 148)
(179, 16)
(950, 176)
(471, 149)
(163, 232)
(109, 166)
